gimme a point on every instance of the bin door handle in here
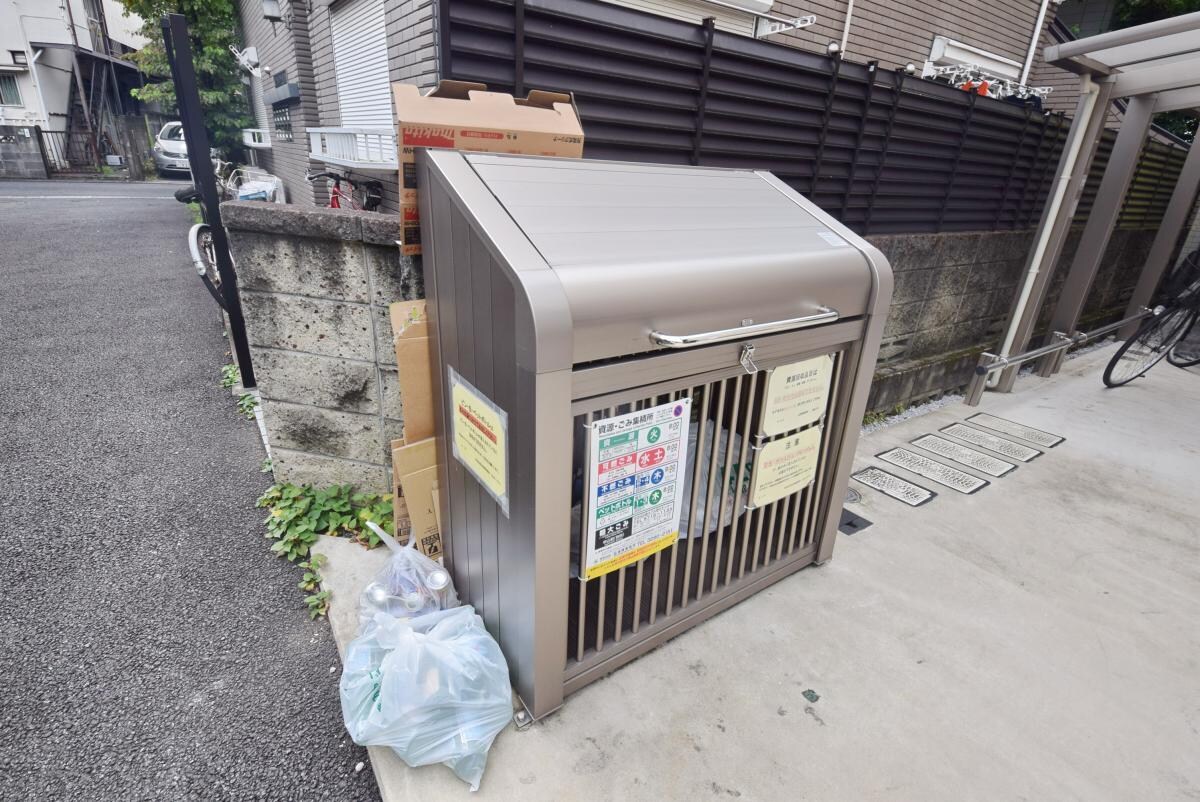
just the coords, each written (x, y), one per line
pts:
(824, 315)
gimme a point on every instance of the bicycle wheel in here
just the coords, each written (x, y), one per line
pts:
(1153, 339)
(1185, 354)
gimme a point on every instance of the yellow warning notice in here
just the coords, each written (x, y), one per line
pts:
(796, 394)
(784, 466)
(479, 436)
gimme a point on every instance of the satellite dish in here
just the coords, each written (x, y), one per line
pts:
(247, 59)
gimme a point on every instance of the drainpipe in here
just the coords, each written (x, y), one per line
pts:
(846, 25)
(1033, 42)
(1090, 93)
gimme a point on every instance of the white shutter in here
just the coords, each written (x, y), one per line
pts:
(360, 64)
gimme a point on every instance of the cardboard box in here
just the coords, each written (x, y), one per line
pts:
(410, 332)
(414, 478)
(465, 116)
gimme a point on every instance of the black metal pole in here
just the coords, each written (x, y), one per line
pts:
(187, 97)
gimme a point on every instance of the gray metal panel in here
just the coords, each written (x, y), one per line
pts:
(641, 247)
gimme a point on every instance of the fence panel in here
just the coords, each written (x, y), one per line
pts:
(881, 151)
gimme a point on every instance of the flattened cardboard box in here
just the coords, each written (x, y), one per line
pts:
(465, 116)
(410, 332)
(412, 466)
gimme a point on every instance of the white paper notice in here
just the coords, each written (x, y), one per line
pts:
(635, 472)
(796, 394)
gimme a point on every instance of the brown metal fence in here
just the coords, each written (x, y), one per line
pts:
(70, 151)
(880, 150)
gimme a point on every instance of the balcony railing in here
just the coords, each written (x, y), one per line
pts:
(256, 137)
(356, 148)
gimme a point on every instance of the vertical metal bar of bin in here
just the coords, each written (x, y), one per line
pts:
(726, 488)
(603, 583)
(827, 428)
(710, 25)
(783, 528)
(747, 513)
(774, 506)
(585, 501)
(685, 393)
(711, 459)
(700, 434)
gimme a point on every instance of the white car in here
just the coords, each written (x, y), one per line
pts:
(170, 151)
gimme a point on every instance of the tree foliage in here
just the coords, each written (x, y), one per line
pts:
(212, 25)
(1128, 13)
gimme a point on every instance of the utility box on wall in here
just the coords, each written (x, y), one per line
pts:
(649, 381)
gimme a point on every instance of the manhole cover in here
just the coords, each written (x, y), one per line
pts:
(991, 442)
(921, 465)
(891, 485)
(1018, 430)
(957, 452)
(853, 496)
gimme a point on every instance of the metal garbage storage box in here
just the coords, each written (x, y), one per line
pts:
(570, 298)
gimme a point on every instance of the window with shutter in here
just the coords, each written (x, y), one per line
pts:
(360, 65)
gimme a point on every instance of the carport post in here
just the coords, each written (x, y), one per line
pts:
(1105, 211)
(1173, 221)
(1089, 125)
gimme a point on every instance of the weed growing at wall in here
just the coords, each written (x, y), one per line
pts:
(300, 514)
(230, 375)
(246, 404)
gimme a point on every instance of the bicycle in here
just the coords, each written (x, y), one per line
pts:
(1158, 336)
(363, 196)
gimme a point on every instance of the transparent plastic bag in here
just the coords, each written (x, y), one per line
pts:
(686, 526)
(409, 585)
(434, 688)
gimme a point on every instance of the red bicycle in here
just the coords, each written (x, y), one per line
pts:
(363, 196)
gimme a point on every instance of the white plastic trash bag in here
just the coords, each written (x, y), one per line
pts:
(410, 585)
(731, 486)
(434, 688)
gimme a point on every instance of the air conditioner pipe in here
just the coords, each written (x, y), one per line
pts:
(1090, 91)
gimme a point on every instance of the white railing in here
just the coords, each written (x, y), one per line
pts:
(357, 148)
(256, 137)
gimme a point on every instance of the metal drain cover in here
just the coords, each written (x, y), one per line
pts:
(851, 523)
(1014, 429)
(943, 474)
(891, 485)
(991, 442)
(957, 452)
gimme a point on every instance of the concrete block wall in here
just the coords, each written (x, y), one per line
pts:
(315, 285)
(953, 296)
(21, 152)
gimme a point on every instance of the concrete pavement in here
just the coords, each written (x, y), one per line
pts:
(153, 648)
(1035, 640)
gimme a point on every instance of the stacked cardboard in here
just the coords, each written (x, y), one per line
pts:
(465, 116)
(414, 458)
(460, 115)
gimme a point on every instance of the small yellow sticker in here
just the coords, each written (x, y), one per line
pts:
(480, 437)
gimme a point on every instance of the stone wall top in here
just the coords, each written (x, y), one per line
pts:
(311, 221)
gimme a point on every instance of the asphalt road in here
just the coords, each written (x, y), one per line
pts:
(152, 646)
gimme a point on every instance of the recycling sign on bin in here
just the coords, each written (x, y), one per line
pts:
(635, 465)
